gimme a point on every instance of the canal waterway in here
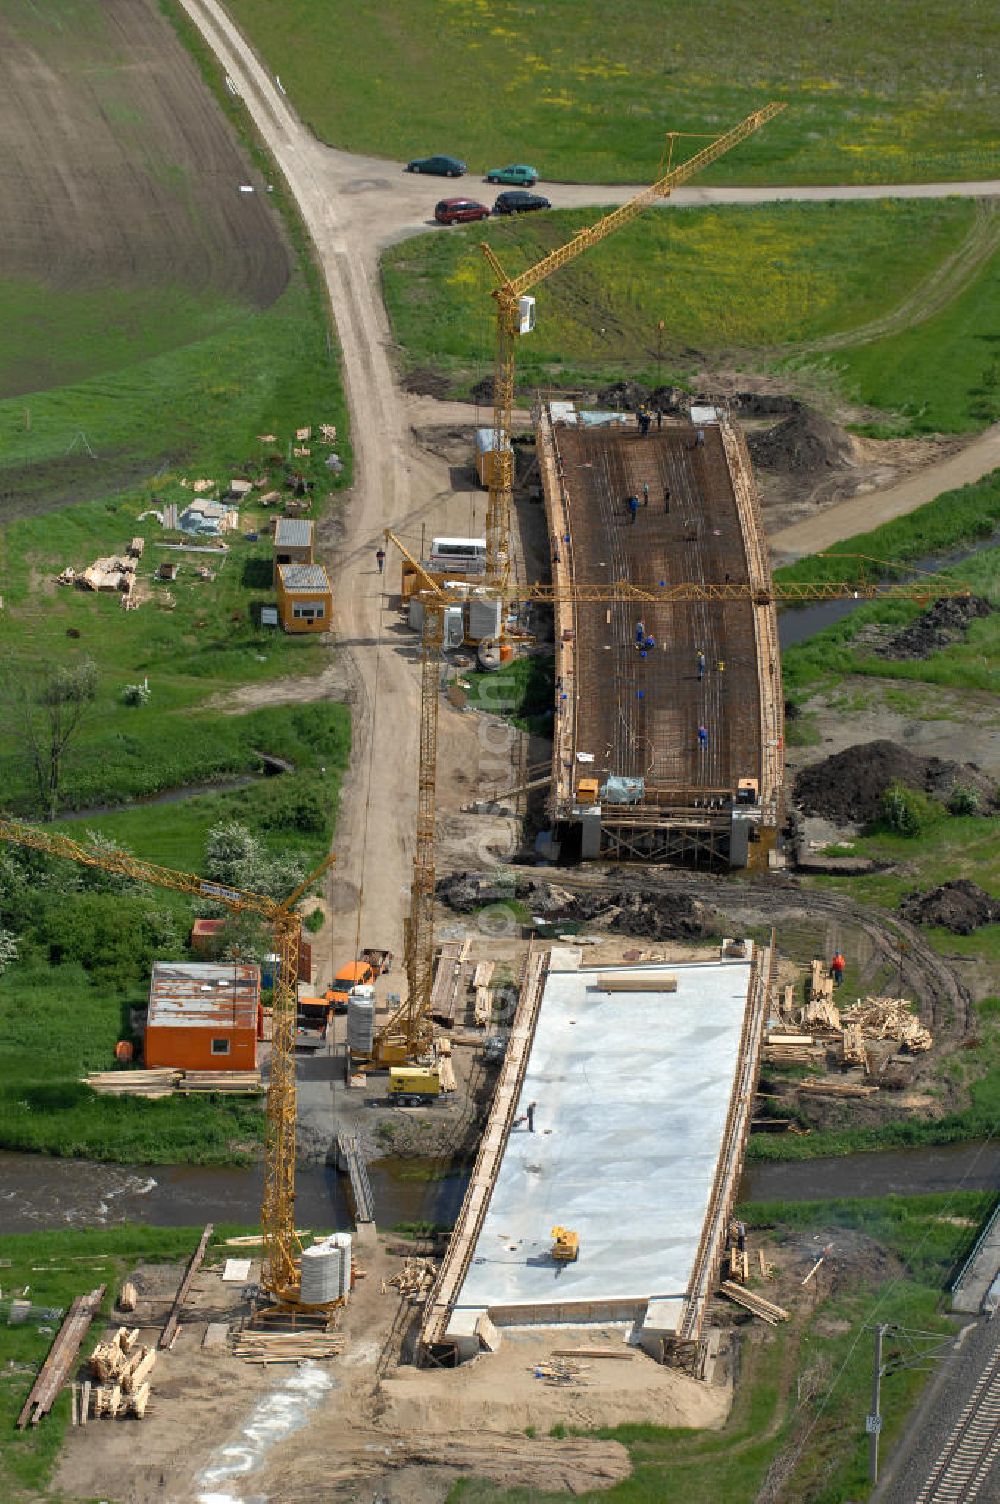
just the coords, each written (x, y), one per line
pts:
(799, 623)
(39, 1193)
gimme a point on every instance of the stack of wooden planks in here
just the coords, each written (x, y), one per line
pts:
(122, 1369)
(792, 1049)
(483, 1007)
(286, 1347)
(240, 1083)
(838, 1088)
(61, 1355)
(140, 1083)
(751, 1301)
(164, 1082)
(450, 976)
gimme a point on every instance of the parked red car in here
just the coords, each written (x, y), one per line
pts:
(452, 211)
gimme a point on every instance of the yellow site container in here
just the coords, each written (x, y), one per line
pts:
(587, 790)
(412, 1081)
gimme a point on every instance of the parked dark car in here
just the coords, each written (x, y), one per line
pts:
(451, 211)
(440, 167)
(518, 202)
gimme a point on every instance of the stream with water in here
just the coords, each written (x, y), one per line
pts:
(38, 1193)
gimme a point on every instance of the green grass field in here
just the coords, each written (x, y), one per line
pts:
(586, 93)
(746, 286)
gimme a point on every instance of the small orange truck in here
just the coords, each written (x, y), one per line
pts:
(361, 973)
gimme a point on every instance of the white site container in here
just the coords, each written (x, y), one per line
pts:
(454, 627)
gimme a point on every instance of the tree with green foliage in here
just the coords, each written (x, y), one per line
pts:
(51, 708)
(235, 858)
(905, 811)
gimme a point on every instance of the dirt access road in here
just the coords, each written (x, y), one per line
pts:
(353, 207)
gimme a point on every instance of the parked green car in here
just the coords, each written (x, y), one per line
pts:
(521, 176)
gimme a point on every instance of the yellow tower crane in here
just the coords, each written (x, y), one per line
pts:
(280, 1275)
(515, 316)
(410, 1028)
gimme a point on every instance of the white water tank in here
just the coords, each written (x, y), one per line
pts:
(343, 1242)
(322, 1273)
(361, 1020)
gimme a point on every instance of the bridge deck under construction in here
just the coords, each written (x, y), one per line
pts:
(631, 713)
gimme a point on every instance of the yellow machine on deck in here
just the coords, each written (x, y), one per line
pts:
(565, 1245)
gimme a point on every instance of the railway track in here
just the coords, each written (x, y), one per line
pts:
(965, 1464)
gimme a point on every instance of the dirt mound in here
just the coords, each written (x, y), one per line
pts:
(960, 906)
(424, 382)
(764, 404)
(946, 621)
(848, 786)
(623, 396)
(483, 390)
(803, 443)
(654, 916)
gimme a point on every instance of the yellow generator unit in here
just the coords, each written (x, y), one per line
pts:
(565, 1245)
(413, 1085)
(587, 790)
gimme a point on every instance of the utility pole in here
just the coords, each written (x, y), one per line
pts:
(873, 1422)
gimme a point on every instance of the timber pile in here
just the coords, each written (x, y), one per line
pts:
(414, 1280)
(286, 1347)
(128, 1299)
(561, 1372)
(446, 1074)
(238, 1083)
(751, 1301)
(122, 1369)
(838, 1088)
(854, 1045)
(450, 977)
(61, 1355)
(821, 1013)
(792, 1049)
(163, 1082)
(890, 1018)
(110, 1360)
(139, 1083)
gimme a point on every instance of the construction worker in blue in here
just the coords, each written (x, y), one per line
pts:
(702, 738)
(640, 633)
(633, 506)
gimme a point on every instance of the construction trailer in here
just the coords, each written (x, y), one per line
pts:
(305, 597)
(203, 1015)
(293, 542)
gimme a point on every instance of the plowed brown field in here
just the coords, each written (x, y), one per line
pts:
(120, 170)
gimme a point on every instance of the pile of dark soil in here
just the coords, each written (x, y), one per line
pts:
(483, 390)
(944, 622)
(960, 906)
(623, 396)
(763, 404)
(848, 786)
(423, 382)
(803, 443)
(652, 916)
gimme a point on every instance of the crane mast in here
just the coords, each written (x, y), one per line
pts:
(510, 290)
